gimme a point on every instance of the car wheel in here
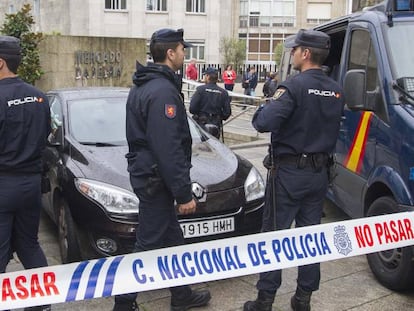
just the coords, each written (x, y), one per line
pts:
(68, 242)
(393, 268)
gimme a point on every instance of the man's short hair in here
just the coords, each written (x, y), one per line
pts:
(10, 52)
(318, 56)
(164, 39)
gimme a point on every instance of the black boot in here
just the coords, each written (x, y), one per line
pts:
(263, 302)
(198, 298)
(125, 306)
(39, 308)
(301, 300)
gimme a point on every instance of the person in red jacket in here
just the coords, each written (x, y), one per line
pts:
(229, 77)
(191, 71)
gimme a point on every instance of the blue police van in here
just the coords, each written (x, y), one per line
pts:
(372, 57)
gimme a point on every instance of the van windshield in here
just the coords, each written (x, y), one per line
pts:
(401, 48)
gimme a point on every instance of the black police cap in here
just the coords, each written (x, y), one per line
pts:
(9, 46)
(170, 35)
(309, 38)
(210, 71)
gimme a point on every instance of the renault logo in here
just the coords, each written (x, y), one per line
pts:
(198, 192)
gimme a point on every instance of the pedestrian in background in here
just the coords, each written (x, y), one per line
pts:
(210, 104)
(249, 83)
(229, 78)
(270, 86)
(159, 158)
(191, 73)
(304, 124)
(24, 128)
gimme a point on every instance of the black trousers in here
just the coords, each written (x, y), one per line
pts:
(299, 197)
(158, 227)
(20, 205)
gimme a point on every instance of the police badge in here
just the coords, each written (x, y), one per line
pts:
(342, 241)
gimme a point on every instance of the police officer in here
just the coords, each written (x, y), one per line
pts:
(303, 117)
(210, 103)
(159, 157)
(24, 128)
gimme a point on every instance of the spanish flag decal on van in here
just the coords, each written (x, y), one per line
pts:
(356, 153)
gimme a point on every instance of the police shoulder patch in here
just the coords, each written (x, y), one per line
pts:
(278, 93)
(170, 111)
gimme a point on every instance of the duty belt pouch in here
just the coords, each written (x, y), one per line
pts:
(318, 161)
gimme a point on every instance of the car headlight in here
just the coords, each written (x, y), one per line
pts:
(113, 199)
(254, 187)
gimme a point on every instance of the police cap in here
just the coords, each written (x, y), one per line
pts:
(9, 47)
(210, 71)
(170, 35)
(309, 38)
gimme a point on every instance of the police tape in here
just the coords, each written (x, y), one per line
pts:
(207, 261)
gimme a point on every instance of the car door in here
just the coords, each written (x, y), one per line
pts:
(51, 156)
(355, 148)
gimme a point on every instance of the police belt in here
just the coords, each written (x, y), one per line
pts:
(304, 160)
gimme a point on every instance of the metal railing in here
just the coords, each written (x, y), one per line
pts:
(237, 128)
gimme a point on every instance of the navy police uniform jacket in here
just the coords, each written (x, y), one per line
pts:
(304, 114)
(24, 127)
(157, 131)
(212, 101)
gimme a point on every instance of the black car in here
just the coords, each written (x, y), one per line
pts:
(90, 197)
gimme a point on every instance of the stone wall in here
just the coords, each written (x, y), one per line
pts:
(74, 61)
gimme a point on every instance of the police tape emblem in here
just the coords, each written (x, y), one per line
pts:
(342, 241)
(170, 111)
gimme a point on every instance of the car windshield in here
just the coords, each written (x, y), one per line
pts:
(101, 121)
(401, 47)
(98, 120)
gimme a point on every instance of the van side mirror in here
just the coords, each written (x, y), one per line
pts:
(355, 89)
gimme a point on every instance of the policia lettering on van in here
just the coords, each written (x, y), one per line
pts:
(371, 56)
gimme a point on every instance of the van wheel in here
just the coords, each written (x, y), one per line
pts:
(393, 268)
(68, 242)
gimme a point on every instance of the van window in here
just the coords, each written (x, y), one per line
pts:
(362, 56)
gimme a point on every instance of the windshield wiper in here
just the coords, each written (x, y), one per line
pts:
(99, 144)
(405, 86)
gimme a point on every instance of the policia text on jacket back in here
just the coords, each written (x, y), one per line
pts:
(24, 128)
(372, 57)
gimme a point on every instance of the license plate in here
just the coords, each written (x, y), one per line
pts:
(207, 227)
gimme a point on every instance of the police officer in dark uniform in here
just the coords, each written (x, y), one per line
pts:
(303, 118)
(159, 158)
(210, 104)
(24, 128)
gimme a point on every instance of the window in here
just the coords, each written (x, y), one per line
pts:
(362, 56)
(196, 6)
(115, 4)
(157, 5)
(197, 51)
(319, 12)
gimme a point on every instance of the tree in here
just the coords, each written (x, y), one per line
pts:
(233, 51)
(19, 25)
(277, 52)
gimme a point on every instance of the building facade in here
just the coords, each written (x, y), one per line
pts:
(266, 23)
(262, 23)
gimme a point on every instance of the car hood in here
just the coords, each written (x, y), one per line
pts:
(214, 166)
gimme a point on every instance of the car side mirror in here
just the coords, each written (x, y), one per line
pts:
(55, 138)
(355, 89)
